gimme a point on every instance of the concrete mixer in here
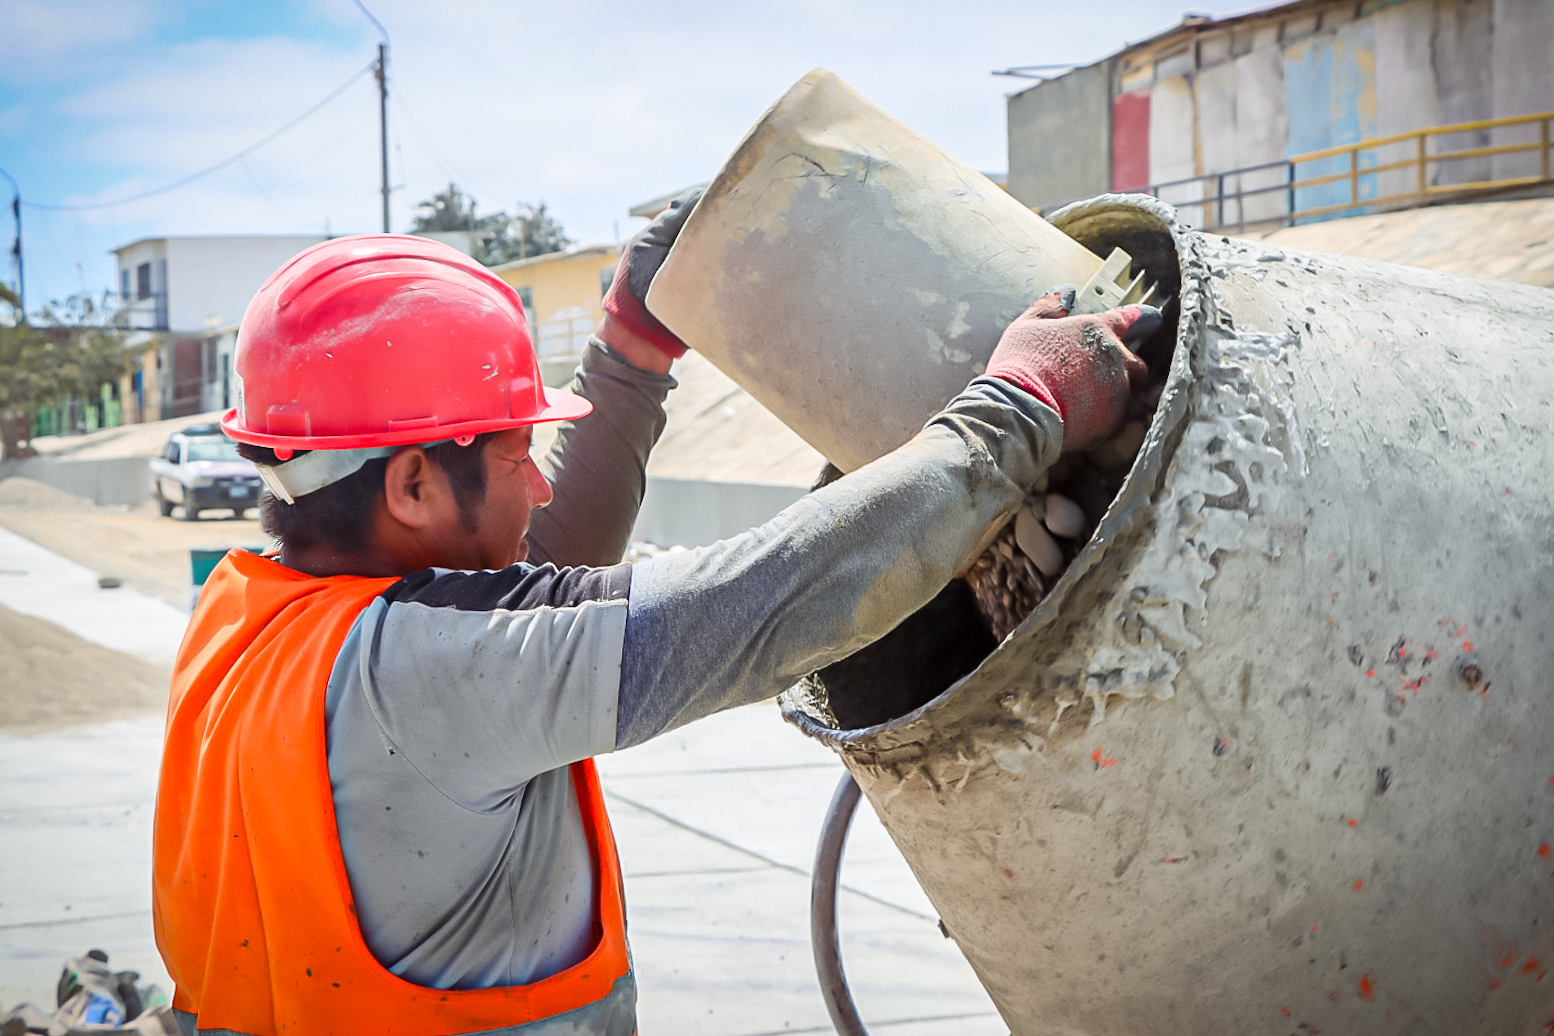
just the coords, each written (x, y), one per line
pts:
(1276, 752)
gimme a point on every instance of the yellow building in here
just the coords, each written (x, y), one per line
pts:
(561, 293)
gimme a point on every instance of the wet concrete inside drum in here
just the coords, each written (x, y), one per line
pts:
(948, 638)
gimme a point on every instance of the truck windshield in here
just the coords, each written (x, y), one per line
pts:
(210, 449)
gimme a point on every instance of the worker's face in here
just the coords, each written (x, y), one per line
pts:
(514, 488)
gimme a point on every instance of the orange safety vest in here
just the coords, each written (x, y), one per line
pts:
(253, 911)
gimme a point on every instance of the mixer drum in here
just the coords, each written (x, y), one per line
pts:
(1277, 752)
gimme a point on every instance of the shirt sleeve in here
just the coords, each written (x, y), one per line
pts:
(745, 618)
(482, 680)
(598, 465)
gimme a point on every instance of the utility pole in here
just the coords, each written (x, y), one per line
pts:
(382, 71)
(16, 249)
(383, 126)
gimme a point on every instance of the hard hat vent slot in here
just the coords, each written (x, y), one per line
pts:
(951, 636)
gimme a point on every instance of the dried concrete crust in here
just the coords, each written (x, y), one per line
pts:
(1223, 447)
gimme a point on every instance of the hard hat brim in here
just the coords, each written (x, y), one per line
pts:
(560, 405)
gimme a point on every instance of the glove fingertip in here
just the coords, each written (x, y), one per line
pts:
(1139, 322)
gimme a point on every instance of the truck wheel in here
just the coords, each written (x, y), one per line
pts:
(163, 504)
(190, 513)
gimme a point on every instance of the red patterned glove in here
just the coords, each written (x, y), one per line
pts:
(626, 300)
(1079, 366)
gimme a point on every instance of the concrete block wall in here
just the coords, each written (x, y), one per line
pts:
(1059, 142)
(116, 480)
(695, 513)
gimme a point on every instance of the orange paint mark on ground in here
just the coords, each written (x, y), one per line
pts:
(1467, 645)
(1358, 885)
(1313, 929)
(1095, 757)
(1367, 988)
(1544, 851)
(1530, 966)
(1352, 823)
(1370, 673)
(1285, 1011)
(1504, 956)
(1174, 859)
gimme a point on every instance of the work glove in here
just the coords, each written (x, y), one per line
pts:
(1078, 365)
(626, 300)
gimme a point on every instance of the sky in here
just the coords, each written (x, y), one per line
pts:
(589, 107)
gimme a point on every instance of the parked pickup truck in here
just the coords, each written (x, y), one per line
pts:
(199, 469)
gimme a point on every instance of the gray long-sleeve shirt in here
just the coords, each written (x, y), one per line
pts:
(459, 698)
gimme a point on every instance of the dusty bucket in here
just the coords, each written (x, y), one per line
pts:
(1276, 754)
(902, 262)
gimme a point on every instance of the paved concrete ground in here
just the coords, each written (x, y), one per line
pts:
(36, 581)
(716, 822)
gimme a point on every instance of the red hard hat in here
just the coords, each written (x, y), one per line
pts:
(386, 340)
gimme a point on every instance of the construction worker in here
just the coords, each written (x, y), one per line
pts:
(378, 811)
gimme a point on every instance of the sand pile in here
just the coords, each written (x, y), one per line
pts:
(49, 677)
(32, 495)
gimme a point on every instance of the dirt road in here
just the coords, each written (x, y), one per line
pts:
(133, 544)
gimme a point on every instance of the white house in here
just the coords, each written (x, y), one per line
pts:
(184, 297)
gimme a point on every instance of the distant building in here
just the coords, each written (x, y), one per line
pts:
(561, 293)
(182, 299)
(173, 293)
(1217, 96)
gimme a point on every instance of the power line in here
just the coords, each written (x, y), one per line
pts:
(250, 149)
(441, 160)
(373, 19)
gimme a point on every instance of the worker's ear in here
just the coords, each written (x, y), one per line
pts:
(415, 491)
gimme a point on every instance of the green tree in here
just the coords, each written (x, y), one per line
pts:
(533, 231)
(67, 354)
(503, 238)
(449, 210)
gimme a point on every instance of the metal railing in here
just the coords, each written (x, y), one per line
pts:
(1347, 179)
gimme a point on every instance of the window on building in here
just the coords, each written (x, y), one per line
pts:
(143, 281)
(526, 295)
(606, 275)
(124, 285)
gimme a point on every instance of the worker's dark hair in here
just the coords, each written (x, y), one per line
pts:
(340, 514)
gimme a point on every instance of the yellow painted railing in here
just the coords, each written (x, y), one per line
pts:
(1280, 195)
(1421, 161)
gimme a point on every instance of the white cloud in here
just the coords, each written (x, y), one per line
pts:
(41, 36)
